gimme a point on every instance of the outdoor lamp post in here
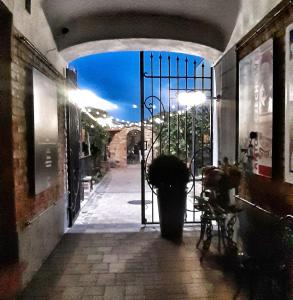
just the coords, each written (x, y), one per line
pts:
(192, 99)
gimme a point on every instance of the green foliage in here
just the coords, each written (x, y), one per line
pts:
(167, 171)
(97, 134)
(180, 133)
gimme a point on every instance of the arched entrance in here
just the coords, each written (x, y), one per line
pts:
(124, 142)
(166, 127)
(196, 27)
(133, 147)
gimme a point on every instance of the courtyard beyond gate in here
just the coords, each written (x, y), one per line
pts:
(115, 203)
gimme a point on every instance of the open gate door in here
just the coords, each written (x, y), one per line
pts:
(73, 152)
(168, 127)
(73, 146)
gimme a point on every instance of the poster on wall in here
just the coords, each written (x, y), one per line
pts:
(45, 132)
(256, 106)
(289, 106)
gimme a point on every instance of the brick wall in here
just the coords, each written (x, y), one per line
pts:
(118, 145)
(30, 226)
(39, 219)
(273, 193)
(29, 205)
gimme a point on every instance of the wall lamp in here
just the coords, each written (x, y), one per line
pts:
(195, 98)
(218, 98)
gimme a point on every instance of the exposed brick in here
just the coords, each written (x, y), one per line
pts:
(118, 145)
(23, 61)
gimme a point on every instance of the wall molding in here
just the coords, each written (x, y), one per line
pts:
(271, 17)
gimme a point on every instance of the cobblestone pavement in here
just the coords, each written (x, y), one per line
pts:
(137, 265)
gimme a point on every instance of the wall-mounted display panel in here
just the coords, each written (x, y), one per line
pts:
(45, 132)
(256, 107)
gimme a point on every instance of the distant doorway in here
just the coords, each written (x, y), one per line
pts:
(133, 147)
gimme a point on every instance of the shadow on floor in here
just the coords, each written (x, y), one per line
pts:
(137, 265)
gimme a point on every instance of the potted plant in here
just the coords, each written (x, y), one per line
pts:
(169, 175)
(221, 180)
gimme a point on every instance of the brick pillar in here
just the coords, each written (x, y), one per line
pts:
(8, 236)
(9, 267)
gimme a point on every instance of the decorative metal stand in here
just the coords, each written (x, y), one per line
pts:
(225, 228)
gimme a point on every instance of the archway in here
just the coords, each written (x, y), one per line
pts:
(81, 29)
(164, 120)
(122, 143)
(133, 146)
(73, 44)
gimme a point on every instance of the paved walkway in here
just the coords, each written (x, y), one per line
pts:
(108, 255)
(114, 205)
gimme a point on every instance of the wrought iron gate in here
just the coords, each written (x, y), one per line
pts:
(168, 127)
(73, 150)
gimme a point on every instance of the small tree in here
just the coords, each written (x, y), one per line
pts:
(179, 139)
(98, 136)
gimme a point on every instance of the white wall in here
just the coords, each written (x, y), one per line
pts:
(35, 27)
(39, 238)
(250, 13)
(225, 75)
(102, 46)
(9, 4)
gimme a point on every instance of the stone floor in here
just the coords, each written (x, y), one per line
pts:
(109, 255)
(114, 205)
(133, 265)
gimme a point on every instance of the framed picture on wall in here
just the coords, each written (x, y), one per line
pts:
(256, 107)
(289, 106)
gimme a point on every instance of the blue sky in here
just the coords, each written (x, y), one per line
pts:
(115, 77)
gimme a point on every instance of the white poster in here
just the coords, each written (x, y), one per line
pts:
(289, 106)
(256, 106)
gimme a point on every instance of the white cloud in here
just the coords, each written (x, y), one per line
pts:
(87, 98)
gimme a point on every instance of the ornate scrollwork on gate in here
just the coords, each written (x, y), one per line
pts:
(149, 105)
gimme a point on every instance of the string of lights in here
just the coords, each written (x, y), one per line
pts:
(96, 107)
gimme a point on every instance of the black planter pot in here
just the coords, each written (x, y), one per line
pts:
(172, 204)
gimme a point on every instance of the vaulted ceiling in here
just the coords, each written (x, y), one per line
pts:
(81, 22)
